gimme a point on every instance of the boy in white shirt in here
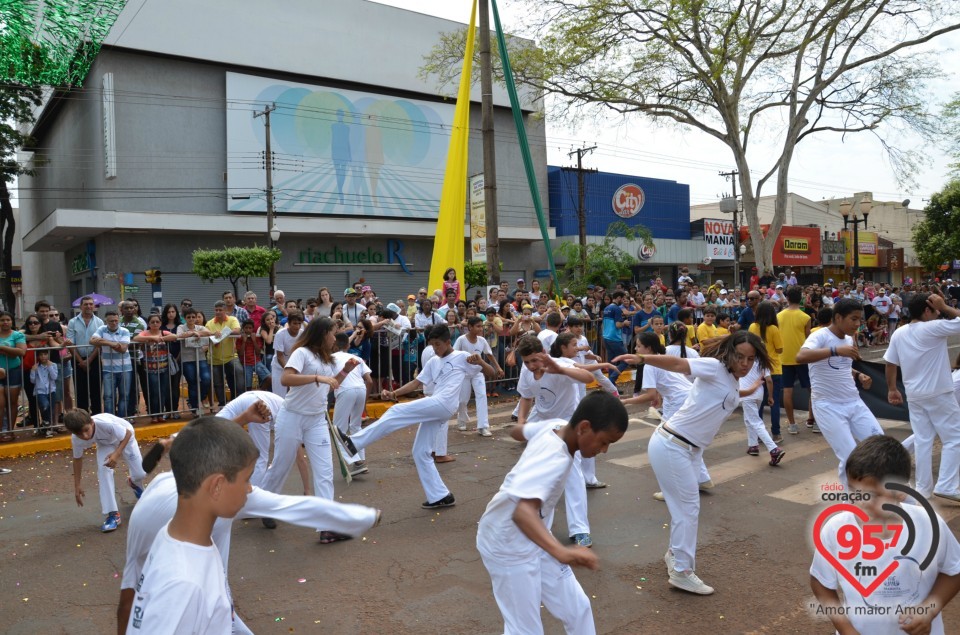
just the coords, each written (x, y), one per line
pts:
(159, 502)
(527, 564)
(114, 438)
(473, 343)
(183, 587)
(447, 370)
(910, 599)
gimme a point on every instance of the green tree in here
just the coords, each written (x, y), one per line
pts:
(937, 237)
(234, 264)
(951, 119)
(475, 275)
(16, 108)
(606, 261)
(758, 76)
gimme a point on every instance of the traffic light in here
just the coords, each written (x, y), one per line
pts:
(153, 276)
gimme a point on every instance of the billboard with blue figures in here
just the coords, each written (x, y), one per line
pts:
(335, 152)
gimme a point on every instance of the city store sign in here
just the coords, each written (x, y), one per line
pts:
(392, 255)
(628, 200)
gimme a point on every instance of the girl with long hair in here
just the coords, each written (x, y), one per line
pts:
(171, 322)
(676, 448)
(766, 327)
(157, 360)
(309, 375)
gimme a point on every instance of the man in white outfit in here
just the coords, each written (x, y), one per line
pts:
(473, 342)
(920, 350)
(447, 370)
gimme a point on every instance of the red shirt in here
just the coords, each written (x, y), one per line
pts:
(256, 314)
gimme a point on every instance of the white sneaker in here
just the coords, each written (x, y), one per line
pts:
(462, 427)
(484, 432)
(658, 496)
(704, 486)
(688, 581)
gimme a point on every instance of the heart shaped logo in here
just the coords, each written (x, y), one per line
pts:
(865, 591)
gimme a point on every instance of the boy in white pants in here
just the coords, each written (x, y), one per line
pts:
(159, 502)
(584, 352)
(548, 383)
(440, 444)
(526, 563)
(351, 395)
(448, 370)
(114, 438)
(750, 396)
(473, 343)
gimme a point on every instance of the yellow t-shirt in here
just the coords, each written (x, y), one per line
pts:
(774, 342)
(722, 332)
(815, 329)
(663, 340)
(793, 329)
(691, 331)
(706, 331)
(227, 349)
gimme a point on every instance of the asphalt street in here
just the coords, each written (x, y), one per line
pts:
(419, 572)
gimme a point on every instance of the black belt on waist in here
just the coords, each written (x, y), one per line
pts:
(692, 445)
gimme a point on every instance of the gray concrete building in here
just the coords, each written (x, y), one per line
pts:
(158, 153)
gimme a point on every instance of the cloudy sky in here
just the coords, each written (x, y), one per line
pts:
(824, 166)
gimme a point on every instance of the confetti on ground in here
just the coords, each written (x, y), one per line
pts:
(278, 619)
(302, 580)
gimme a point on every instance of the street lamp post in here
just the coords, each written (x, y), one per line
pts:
(273, 232)
(866, 204)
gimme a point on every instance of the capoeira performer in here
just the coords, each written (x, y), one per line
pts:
(351, 396)
(159, 502)
(920, 350)
(676, 448)
(309, 375)
(585, 352)
(474, 343)
(246, 410)
(842, 416)
(527, 565)
(547, 391)
(439, 452)
(447, 371)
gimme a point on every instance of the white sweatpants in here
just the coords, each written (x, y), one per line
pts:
(108, 489)
(843, 424)
(479, 388)
(575, 498)
(755, 426)
(260, 435)
(668, 411)
(348, 413)
(676, 469)
(275, 386)
(440, 443)
(519, 589)
(931, 417)
(431, 415)
(589, 469)
(292, 429)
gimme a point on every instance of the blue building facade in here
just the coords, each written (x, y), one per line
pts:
(661, 206)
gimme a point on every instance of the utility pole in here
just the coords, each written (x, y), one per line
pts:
(489, 150)
(732, 177)
(581, 204)
(268, 164)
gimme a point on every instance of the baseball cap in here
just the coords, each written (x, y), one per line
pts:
(349, 291)
(719, 283)
(564, 308)
(519, 279)
(393, 307)
(591, 287)
(411, 297)
(830, 280)
(723, 291)
(779, 286)
(366, 288)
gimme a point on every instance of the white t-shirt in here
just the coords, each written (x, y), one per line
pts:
(920, 350)
(882, 304)
(831, 379)
(447, 375)
(674, 349)
(713, 397)
(907, 586)
(554, 396)
(108, 432)
(750, 378)
(182, 590)
(236, 407)
(283, 342)
(428, 354)
(481, 346)
(547, 338)
(581, 357)
(422, 321)
(308, 399)
(354, 378)
(540, 474)
(673, 387)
